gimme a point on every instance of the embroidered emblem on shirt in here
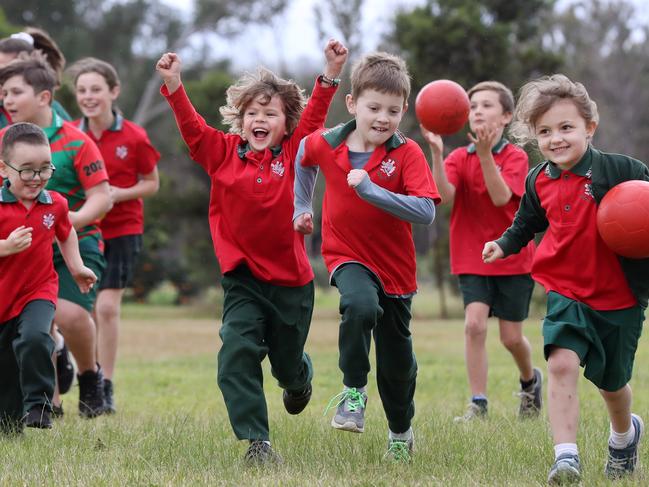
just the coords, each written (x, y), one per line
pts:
(589, 173)
(547, 171)
(387, 168)
(121, 151)
(588, 191)
(278, 168)
(48, 220)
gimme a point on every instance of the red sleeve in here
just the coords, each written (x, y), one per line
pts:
(89, 163)
(207, 146)
(147, 155)
(313, 117)
(514, 169)
(451, 165)
(417, 176)
(63, 225)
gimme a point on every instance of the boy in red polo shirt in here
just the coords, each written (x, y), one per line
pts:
(131, 164)
(377, 183)
(28, 86)
(596, 299)
(484, 182)
(267, 278)
(31, 218)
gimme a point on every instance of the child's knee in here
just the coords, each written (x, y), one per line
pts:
(562, 362)
(360, 307)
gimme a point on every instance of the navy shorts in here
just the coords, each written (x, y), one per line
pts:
(121, 255)
(508, 297)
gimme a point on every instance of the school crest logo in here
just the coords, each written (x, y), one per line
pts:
(277, 168)
(121, 151)
(387, 169)
(48, 220)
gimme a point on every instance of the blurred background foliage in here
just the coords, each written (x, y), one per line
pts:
(601, 43)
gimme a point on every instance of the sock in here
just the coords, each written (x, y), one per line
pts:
(563, 448)
(525, 385)
(265, 441)
(400, 436)
(58, 341)
(621, 440)
(359, 389)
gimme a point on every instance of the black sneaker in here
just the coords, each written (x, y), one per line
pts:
(91, 393)
(109, 405)
(57, 411)
(260, 453)
(296, 401)
(64, 370)
(38, 417)
(622, 461)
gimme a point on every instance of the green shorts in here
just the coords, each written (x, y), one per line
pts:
(508, 297)
(605, 341)
(68, 288)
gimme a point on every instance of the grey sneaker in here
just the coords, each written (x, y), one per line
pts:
(532, 398)
(350, 412)
(565, 470)
(622, 461)
(261, 453)
(400, 450)
(473, 411)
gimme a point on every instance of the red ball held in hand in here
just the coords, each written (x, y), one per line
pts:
(442, 107)
(623, 219)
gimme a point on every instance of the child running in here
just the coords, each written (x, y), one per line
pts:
(28, 86)
(596, 299)
(131, 164)
(267, 278)
(377, 183)
(484, 182)
(31, 219)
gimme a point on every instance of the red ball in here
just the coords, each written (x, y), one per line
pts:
(623, 219)
(442, 107)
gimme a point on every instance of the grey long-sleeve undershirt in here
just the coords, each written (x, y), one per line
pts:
(413, 209)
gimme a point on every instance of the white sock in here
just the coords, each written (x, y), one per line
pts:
(621, 440)
(58, 341)
(400, 436)
(563, 448)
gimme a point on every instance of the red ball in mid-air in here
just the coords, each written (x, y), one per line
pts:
(623, 219)
(442, 107)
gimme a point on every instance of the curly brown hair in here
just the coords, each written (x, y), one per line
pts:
(265, 84)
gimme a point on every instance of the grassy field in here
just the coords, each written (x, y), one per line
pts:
(172, 428)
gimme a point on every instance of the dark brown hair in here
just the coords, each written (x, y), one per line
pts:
(22, 132)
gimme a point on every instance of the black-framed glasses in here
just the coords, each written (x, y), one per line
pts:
(27, 175)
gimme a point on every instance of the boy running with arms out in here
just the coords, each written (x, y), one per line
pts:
(267, 277)
(596, 299)
(377, 183)
(484, 182)
(31, 218)
(28, 86)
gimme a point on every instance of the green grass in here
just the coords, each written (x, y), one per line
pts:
(172, 428)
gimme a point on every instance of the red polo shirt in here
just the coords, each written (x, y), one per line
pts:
(29, 275)
(127, 153)
(572, 259)
(475, 219)
(251, 198)
(354, 230)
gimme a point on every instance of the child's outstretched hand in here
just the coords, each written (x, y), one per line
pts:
(484, 139)
(169, 68)
(85, 279)
(355, 177)
(303, 224)
(434, 140)
(17, 241)
(336, 55)
(492, 252)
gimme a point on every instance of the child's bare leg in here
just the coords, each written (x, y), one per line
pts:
(512, 338)
(475, 352)
(618, 404)
(563, 401)
(107, 312)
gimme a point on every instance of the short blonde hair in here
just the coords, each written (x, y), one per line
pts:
(505, 96)
(538, 96)
(383, 72)
(266, 84)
